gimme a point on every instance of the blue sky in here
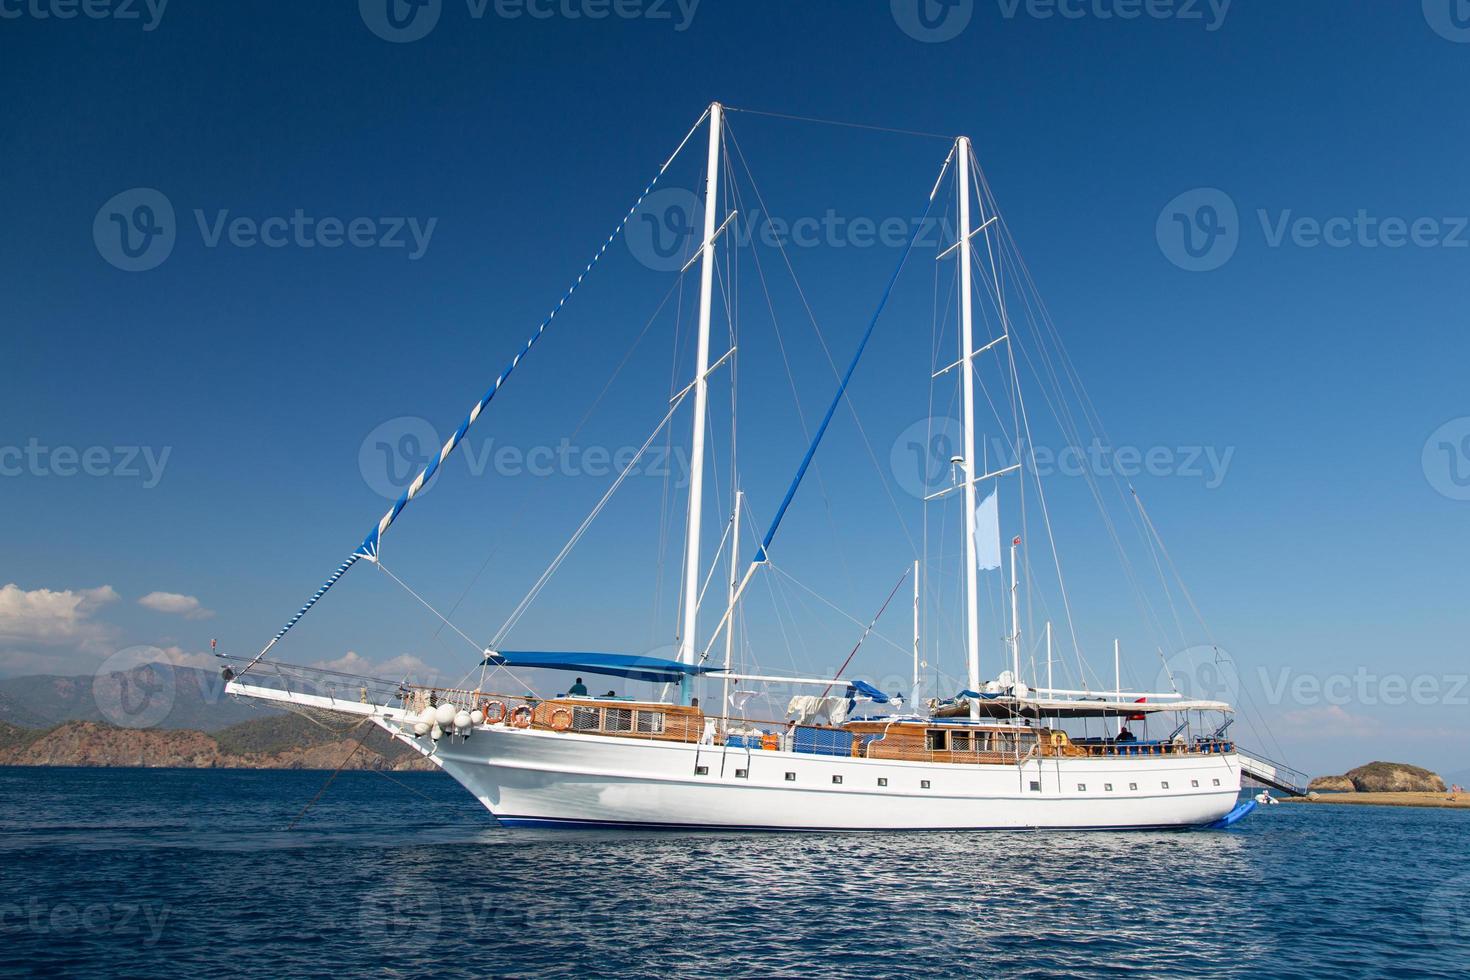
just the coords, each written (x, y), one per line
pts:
(1311, 333)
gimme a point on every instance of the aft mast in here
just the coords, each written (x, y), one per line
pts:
(971, 475)
(689, 626)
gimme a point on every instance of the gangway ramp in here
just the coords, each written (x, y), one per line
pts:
(1273, 774)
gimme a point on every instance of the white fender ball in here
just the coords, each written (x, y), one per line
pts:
(444, 715)
(477, 717)
(462, 721)
(436, 733)
(427, 716)
(420, 728)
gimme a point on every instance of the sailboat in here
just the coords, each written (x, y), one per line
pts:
(1000, 754)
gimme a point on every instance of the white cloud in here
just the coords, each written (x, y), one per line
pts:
(1328, 721)
(175, 604)
(180, 657)
(51, 618)
(403, 666)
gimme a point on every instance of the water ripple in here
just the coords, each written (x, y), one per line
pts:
(193, 872)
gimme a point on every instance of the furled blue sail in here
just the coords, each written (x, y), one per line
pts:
(806, 461)
(654, 669)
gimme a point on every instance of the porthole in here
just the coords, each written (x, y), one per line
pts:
(1164, 785)
(1194, 783)
(882, 780)
(742, 773)
(1082, 787)
(791, 777)
(1133, 786)
(1107, 787)
(701, 770)
(837, 780)
(923, 784)
(1035, 786)
(1217, 782)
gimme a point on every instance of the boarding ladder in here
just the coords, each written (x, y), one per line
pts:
(1272, 774)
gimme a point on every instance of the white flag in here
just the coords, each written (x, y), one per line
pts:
(987, 532)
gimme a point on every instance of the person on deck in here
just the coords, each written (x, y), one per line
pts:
(1124, 735)
(577, 690)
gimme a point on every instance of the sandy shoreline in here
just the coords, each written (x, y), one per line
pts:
(1461, 802)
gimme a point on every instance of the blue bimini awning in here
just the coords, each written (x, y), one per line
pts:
(654, 669)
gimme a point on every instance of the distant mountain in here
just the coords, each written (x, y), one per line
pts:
(152, 696)
(277, 742)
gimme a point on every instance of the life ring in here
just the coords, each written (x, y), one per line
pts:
(520, 716)
(494, 712)
(1059, 740)
(561, 719)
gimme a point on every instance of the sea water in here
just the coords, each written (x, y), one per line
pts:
(192, 873)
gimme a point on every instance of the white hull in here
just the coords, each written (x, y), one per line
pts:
(532, 778)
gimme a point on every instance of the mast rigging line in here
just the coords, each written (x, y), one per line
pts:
(369, 546)
(841, 393)
(841, 122)
(829, 603)
(561, 556)
(837, 398)
(867, 629)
